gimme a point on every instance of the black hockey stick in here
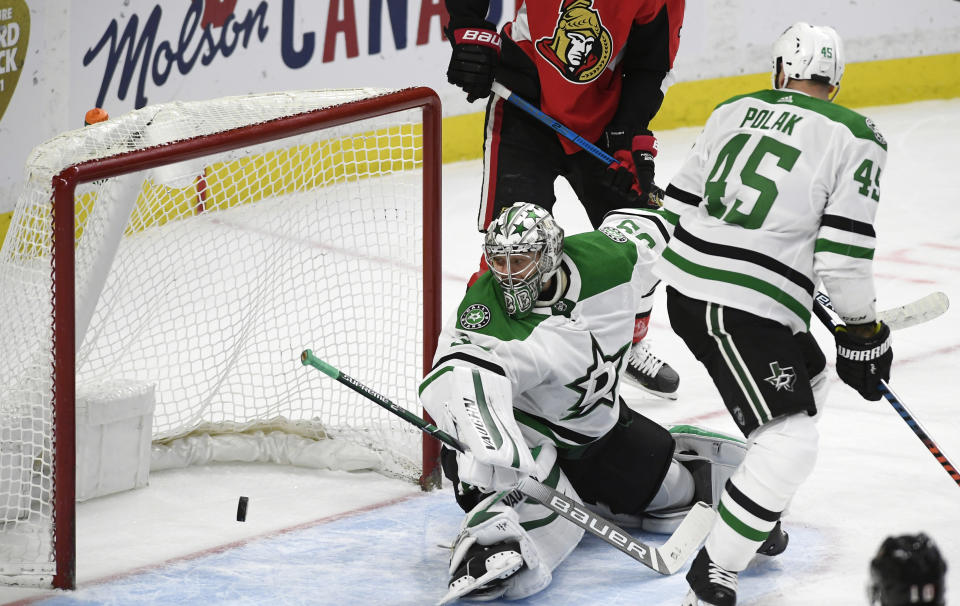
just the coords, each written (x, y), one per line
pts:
(666, 559)
(898, 405)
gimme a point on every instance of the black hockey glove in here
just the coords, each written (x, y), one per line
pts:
(476, 52)
(863, 362)
(634, 175)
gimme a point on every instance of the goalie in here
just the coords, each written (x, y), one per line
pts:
(527, 375)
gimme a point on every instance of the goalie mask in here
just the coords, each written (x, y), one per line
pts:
(809, 52)
(522, 247)
(907, 570)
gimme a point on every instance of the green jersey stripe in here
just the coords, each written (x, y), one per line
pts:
(736, 253)
(739, 279)
(671, 217)
(431, 378)
(839, 248)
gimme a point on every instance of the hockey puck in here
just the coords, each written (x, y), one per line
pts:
(242, 509)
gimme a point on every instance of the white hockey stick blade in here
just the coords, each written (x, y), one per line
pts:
(681, 544)
(688, 537)
(922, 310)
(506, 565)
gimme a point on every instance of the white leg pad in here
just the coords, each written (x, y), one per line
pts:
(712, 457)
(676, 490)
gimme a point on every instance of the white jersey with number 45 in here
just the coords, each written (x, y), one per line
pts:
(778, 193)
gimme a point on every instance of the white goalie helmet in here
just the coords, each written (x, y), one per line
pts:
(522, 246)
(809, 52)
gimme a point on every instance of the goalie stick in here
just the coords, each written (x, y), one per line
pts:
(898, 404)
(666, 559)
(922, 310)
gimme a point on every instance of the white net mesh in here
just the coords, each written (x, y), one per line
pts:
(207, 278)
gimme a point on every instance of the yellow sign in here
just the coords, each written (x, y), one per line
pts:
(14, 34)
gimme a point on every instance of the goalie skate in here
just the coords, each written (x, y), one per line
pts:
(484, 565)
(650, 373)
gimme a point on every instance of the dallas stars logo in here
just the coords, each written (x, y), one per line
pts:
(476, 316)
(599, 384)
(782, 378)
(614, 234)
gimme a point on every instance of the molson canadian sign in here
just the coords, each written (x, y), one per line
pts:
(152, 44)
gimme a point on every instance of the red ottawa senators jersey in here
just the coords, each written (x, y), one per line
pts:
(576, 46)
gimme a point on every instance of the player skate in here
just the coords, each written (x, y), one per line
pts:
(651, 374)
(710, 585)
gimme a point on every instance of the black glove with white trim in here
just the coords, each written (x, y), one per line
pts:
(862, 362)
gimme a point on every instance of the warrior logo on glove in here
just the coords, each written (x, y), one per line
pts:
(580, 47)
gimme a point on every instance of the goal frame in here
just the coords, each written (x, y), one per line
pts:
(63, 259)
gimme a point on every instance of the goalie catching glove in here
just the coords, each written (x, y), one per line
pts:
(494, 557)
(863, 361)
(476, 407)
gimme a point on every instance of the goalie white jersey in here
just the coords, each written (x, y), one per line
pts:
(564, 360)
(779, 192)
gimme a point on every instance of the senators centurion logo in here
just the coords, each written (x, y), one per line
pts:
(580, 47)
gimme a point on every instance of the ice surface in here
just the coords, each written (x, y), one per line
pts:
(338, 538)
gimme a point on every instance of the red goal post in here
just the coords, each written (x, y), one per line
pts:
(295, 164)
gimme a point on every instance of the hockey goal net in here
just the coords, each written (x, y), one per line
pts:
(193, 250)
